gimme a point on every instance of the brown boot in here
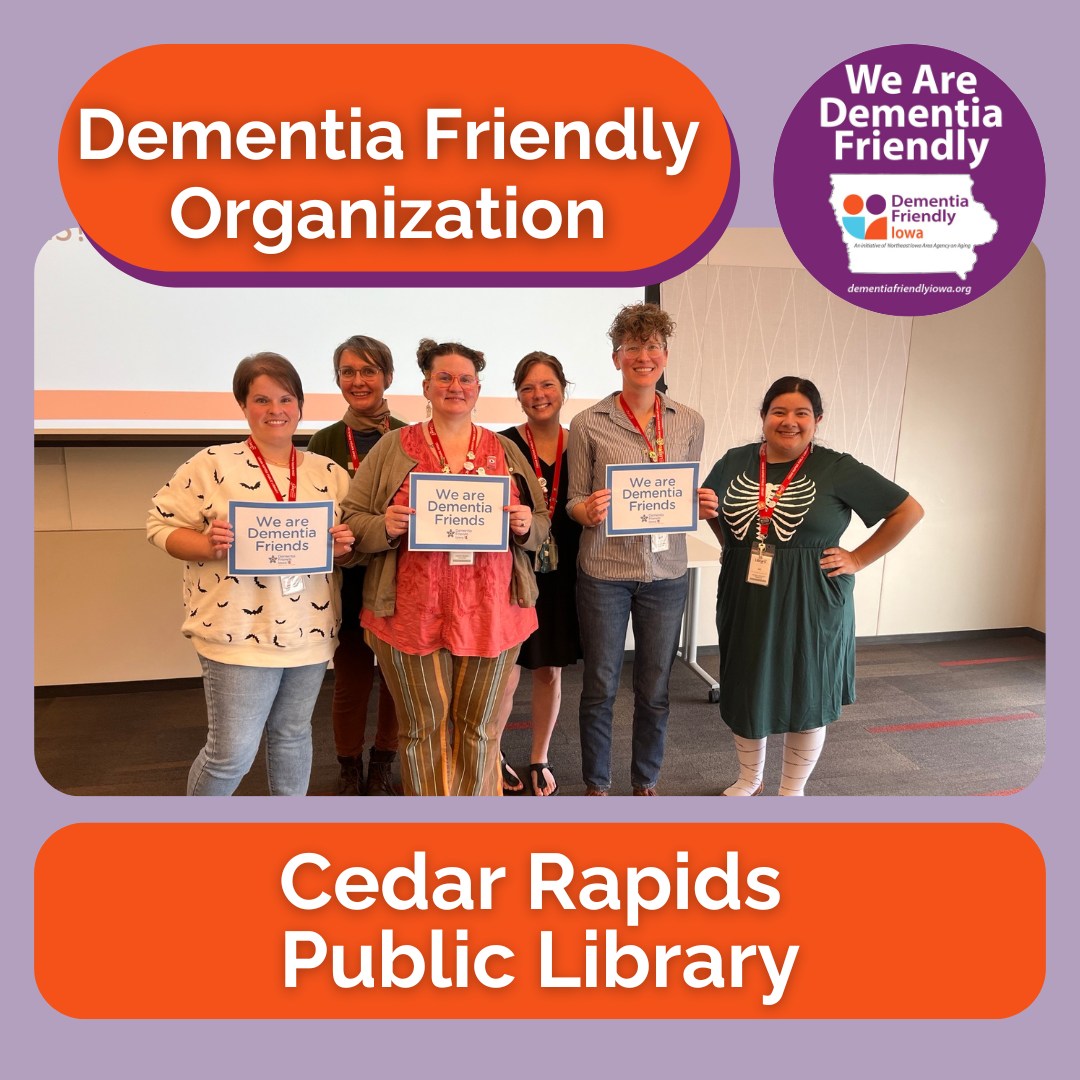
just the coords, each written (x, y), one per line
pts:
(351, 780)
(380, 779)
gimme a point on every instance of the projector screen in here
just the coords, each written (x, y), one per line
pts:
(117, 358)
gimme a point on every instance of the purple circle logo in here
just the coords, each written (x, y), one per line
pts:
(909, 180)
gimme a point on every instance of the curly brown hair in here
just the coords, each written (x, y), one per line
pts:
(639, 322)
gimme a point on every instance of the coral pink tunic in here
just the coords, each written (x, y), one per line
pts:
(464, 609)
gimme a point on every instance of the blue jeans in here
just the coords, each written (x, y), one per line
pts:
(240, 703)
(604, 607)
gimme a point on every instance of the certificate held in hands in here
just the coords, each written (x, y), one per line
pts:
(659, 497)
(458, 513)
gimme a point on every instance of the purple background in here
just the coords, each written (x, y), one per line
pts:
(757, 74)
(1009, 180)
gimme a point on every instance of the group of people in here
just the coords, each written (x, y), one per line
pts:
(449, 632)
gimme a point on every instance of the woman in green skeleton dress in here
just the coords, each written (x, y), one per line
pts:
(785, 610)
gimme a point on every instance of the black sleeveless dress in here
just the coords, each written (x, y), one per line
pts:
(555, 642)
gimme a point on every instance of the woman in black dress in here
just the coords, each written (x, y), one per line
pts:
(541, 389)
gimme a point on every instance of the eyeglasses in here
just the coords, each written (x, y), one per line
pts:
(445, 379)
(632, 352)
(368, 374)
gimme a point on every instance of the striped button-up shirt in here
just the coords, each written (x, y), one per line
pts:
(602, 436)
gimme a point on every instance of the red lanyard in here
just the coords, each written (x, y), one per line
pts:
(350, 438)
(553, 494)
(470, 454)
(253, 447)
(767, 506)
(657, 453)
(354, 457)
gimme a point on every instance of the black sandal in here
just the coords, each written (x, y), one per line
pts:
(536, 778)
(510, 778)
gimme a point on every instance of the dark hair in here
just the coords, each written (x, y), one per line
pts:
(527, 363)
(266, 363)
(792, 384)
(638, 322)
(429, 351)
(365, 348)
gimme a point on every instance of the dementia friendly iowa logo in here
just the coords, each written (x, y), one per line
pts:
(855, 222)
(914, 223)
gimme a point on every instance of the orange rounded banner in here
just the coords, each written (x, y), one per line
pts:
(510, 920)
(545, 163)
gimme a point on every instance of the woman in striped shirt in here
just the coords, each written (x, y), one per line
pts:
(624, 578)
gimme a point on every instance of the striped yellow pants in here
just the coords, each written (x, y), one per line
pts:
(438, 694)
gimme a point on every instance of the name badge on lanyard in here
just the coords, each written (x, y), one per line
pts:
(658, 541)
(291, 584)
(761, 560)
(762, 554)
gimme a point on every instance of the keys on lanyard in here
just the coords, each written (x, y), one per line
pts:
(656, 453)
(547, 558)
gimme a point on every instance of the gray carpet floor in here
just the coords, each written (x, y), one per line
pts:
(959, 717)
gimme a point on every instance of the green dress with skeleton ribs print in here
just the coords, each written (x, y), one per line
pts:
(787, 649)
